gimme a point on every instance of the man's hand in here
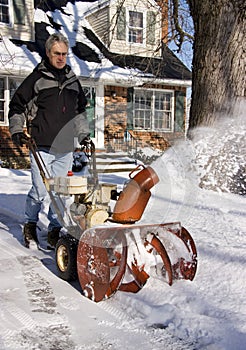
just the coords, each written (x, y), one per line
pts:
(86, 140)
(20, 138)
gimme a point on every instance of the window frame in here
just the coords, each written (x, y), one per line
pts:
(152, 110)
(2, 100)
(11, 15)
(6, 96)
(144, 14)
(14, 18)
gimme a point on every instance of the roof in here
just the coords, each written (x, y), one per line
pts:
(166, 67)
(100, 4)
(88, 48)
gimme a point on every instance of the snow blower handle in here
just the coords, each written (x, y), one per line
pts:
(136, 169)
(88, 147)
(94, 164)
(56, 200)
(40, 163)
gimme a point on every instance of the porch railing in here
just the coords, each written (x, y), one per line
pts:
(119, 143)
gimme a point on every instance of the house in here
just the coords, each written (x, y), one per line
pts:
(135, 85)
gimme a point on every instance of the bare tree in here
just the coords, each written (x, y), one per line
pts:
(218, 87)
(218, 64)
(219, 58)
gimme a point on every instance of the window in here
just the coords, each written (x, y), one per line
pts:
(4, 11)
(7, 90)
(162, 111)
(18, 14)
(135, 32)
(1, 100)
(135, 27)
(13, 85)
(153, 110)
(142, 102)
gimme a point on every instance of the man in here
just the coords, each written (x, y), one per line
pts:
(52, 103)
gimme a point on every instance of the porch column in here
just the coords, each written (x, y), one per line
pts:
(99, 113)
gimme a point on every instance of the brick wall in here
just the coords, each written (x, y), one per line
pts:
(12, 156)
(116, 124)
(115, 111)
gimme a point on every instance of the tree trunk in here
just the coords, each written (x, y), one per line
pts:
(219, 59)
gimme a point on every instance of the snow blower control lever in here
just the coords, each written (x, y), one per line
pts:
(102, 245)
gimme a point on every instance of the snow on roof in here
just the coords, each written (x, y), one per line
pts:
(88, 56)
(16, 60)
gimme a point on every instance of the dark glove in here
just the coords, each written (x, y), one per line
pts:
(85, 141)
(20, 139)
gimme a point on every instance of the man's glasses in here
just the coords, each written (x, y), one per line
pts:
(58, 54)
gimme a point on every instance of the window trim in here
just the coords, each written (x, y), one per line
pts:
(11, 16)
(144, 12)
(6, 95)
(5, 100)
(172, 109)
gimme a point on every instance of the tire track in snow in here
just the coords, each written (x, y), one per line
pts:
(43, 303)
(25, 321)
(37, 325)
(46, 328)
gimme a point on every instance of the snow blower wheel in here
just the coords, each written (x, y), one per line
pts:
(66, 258)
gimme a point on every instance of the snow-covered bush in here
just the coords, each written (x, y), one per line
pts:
(146, 155)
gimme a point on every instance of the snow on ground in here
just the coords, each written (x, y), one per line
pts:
(40, 311)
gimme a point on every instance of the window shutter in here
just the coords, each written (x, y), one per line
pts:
(151, 22)
(179, 111)
(19, 11)
(130, 108)
(121, 23)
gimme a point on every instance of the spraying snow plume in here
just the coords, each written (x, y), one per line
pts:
(221, 154)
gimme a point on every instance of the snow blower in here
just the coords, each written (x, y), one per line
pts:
(105, 249)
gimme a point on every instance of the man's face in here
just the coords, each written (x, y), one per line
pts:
(57, 55)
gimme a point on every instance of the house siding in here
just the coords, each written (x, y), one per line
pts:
(99, 21)
(106, 29)
(145, 49)
(20, 31)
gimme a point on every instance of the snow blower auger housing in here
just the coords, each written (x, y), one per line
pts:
(106, 250)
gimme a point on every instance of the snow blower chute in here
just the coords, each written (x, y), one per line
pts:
(106, 250)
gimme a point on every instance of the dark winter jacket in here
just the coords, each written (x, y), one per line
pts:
(52, 103)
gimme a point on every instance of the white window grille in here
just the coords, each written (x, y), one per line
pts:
(4, 11)
(7, 89)
(153, 110)
(135, 31)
